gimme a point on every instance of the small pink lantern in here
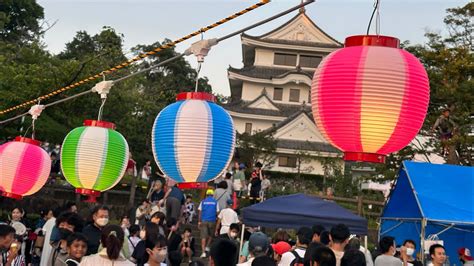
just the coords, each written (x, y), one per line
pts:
(24, 167)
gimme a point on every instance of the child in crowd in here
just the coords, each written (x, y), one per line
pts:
(157, 251)
(187, 244)
(133, 238)
(190, 210)
(76, 248)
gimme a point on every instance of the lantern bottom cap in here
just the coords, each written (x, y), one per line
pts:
(364, 157)
(192, 185)
(11, 195)
(88, 192)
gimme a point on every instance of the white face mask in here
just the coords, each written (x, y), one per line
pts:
(102, 221)
(410, 251)
(142, 234)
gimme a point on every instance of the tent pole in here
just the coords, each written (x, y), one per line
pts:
(366, 244)
(422, 239)
(241, 241)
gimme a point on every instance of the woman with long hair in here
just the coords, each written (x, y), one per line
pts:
(148, 234)
(112, 240)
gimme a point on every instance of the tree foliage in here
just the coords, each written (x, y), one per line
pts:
(28, 70)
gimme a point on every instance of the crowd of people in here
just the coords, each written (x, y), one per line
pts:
(161, 233)
(62, 237)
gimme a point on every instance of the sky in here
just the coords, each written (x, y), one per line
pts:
(148, 21)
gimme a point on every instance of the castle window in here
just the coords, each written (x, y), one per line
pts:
(287, 161)
(310, 61)
(294, 95)
(248, 128)
(278, 94)
(284, 59)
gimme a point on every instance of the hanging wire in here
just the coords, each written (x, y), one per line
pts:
(307, 2)
(197, 76)
(139, 57)
(101, 109)
(377, 19)
(376, 5)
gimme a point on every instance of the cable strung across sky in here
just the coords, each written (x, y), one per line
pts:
(209, 44)
(136, 58)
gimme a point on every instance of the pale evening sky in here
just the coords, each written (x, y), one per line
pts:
(147, 21)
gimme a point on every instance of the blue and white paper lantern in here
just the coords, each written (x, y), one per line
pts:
(193, 139)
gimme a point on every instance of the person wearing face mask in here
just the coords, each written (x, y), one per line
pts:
(232, 233)
(411, 255)
(148, 234)
(67, 223)
(157, 252)
(112, 239)
(225, 218)
(100, 217)
(388, 248)
(187, 244)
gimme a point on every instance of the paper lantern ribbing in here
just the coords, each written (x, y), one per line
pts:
(24, 167)
(370, 98)
(94, 157)
(193, 139)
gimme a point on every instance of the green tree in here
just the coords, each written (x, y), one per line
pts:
(260, 146)
(20, 20)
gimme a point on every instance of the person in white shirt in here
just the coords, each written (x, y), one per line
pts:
(258, 246)
(225, 218)
(112, 238)
(388, 249)
(47, 248)
(303, 239)
(339, 236)
(133, 238)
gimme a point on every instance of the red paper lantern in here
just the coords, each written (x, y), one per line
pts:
(370, 98)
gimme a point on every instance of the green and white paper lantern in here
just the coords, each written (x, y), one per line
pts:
(94, 157)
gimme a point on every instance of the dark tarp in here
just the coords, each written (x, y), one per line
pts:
(294, 211)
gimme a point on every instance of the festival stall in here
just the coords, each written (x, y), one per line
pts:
(294, 211)
(432, 203)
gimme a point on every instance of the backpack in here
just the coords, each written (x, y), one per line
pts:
(298, 261)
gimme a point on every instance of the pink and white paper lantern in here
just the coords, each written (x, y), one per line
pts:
(24, 167)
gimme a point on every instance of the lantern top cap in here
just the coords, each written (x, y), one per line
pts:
(372, 40)
(27, 140)
(203, 96)
(97, 123)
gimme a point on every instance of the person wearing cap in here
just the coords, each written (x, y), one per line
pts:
(239, 179)
(465, 256)
(279, 249)
(258, 246)
(208, 209)
(303, 238)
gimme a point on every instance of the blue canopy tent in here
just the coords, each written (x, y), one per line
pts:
(432, 199)
(294, 211)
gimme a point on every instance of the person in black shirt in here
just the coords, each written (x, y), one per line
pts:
(140, 255)
(174, 239)
(187, 245)
(411, 252)
(100, 217)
